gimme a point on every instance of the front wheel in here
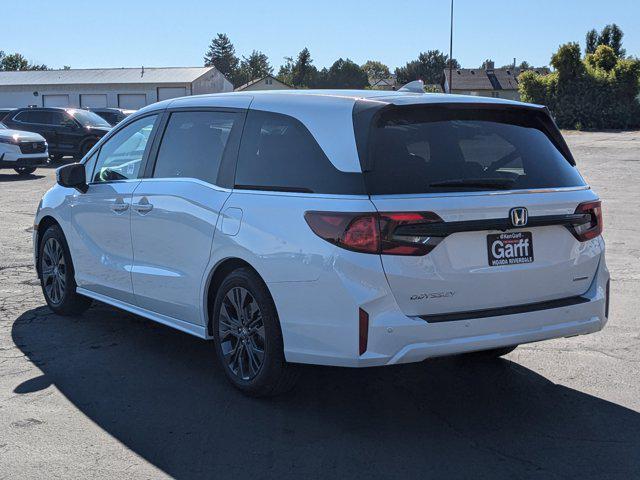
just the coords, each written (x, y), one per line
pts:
(247, 336)
(23, 171)
(57, 275)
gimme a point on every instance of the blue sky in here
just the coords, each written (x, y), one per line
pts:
(116, 33)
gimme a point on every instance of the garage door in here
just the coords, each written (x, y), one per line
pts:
(93, 100)
(55, 100)
(132, 101)
(165, 93)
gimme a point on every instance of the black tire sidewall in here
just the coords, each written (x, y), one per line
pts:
(70, 302)
(274, 356)
(25, 170)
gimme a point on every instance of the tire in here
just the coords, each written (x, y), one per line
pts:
(24, 171)
(57, 276)
(84, 149)
(490, 354)
(259, 327)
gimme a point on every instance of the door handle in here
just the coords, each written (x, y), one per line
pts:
(143, 207)
(120, 207)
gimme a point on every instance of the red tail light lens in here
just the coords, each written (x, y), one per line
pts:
(374, 232)
(592, 229)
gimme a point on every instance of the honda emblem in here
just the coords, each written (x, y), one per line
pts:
(519, 216)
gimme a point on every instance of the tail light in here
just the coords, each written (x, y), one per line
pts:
(374, 232)
(593, 228)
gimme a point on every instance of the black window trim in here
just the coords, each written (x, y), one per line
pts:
(114, 131)
(226, 169)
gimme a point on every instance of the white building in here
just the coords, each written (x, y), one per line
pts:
(265, 83)
(130, 88)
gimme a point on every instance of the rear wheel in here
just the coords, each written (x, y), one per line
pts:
(247, 336)
(490, 354)
(57, 275)
(85, 147)
(22, 171)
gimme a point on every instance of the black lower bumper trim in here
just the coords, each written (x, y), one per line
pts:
(25, 162)
(498, 312)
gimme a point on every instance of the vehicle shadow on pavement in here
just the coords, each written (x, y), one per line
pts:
(14, 177)
(162, 395)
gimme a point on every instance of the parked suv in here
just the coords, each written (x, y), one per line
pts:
(348, 228)
(112, 115)
(69, 131)
(22, 151)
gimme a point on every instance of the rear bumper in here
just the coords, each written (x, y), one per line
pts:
(313, 335)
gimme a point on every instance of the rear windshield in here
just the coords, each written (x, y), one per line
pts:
(427, 149)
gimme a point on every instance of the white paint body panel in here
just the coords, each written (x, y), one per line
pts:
(159, 263)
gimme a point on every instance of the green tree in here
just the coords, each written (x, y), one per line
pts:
(611, 36)
(376, 69)
(14, 61)
(598, 92)
(604, 58)
(255, 66)
(591, 41)
(301, 72)
(222, 55)
(567, 60)
(343, 74)
(429, 68)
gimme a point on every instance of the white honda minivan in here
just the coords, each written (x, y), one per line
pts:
(347, 228)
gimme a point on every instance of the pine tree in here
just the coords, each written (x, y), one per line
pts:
(222, 55)
(255, 66)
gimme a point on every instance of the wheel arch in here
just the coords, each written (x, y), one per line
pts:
(217, 276)
(42, 226)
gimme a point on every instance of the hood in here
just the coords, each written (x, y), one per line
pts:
(21, 135)
(100, 131)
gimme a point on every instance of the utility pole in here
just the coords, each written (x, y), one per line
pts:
(451, 51)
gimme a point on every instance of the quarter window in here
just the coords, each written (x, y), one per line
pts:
(278, 153)
(193, 145)
(121, 156)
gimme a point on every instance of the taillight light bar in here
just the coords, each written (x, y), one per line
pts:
(593, 228)
(374, 232)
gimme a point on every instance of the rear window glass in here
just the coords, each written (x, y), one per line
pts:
(278, 153)
(432, 150)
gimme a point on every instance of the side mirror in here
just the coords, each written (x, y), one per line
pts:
(72, 176)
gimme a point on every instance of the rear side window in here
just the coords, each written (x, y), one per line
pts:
(278, 153)
(432, 149)
(193, 145)
(36, 116)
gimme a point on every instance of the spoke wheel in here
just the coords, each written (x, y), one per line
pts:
(54, 271)
(241, 333)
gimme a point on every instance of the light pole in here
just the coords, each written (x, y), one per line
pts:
(451, 51)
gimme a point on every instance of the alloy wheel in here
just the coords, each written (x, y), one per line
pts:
(241, 333)
(54, 271)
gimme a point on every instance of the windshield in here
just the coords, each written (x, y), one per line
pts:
(88, 119)
(2, 126)
(429, 149)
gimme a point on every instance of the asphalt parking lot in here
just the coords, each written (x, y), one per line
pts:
(111, 395)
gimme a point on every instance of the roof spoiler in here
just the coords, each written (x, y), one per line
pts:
(417, 86)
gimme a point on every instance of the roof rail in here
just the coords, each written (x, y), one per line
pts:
(417, 86)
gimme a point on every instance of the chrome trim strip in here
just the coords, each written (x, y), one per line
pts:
(483, 193)
(301, 194)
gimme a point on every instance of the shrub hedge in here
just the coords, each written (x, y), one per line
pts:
(597, 92)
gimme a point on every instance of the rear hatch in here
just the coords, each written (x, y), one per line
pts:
(504, 210)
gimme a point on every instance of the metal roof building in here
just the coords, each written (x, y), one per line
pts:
(130, 88)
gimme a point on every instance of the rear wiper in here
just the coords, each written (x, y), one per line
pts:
(500, 183)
